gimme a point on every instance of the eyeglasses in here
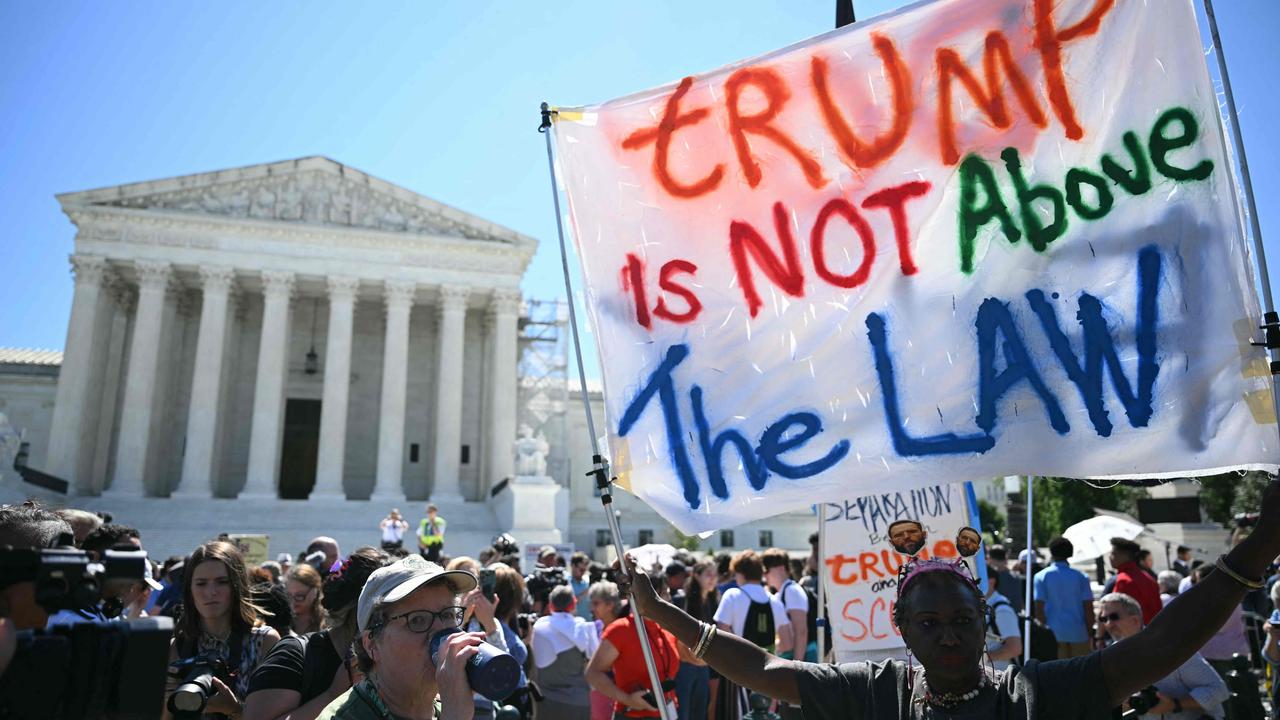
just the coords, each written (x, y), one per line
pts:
(421, 621)
(1113, 617)
(301, 597)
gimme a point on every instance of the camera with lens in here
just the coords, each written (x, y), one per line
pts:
(667, 686)
(542, 581)
(195, 684)
(67, 578)
(91, 668)
(1141, 702)
(505, 544)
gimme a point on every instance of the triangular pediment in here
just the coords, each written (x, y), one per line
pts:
(312, 190)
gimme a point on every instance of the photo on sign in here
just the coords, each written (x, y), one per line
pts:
(968, 541)
(907, 537)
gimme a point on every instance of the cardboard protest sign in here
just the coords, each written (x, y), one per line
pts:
(254, 548)
(971, 238)
(862, 569)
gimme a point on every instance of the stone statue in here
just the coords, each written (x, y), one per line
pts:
(531, 453)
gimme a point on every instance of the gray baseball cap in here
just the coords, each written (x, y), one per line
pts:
(397, 580)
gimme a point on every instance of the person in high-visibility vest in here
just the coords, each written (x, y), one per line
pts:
(431, 534)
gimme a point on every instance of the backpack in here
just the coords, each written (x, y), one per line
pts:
(758, 628)
(1044, 644)
(811, 619)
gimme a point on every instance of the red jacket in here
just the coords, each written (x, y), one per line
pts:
(1137, 584)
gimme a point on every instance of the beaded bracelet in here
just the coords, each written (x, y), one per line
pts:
(1226, 569)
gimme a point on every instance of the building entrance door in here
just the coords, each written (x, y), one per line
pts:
(300, 449)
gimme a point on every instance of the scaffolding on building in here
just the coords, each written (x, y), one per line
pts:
(544, 379)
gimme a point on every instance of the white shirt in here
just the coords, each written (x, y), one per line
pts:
(561, 631)
(1006, 627)
(736, 601)
(793, 597)
(393, 530)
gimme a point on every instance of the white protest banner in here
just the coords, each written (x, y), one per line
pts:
(862, 568)
(971, 238)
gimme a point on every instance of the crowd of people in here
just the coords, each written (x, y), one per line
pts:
(351, 636)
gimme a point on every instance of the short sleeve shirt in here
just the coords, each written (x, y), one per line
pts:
(1057, 690)
(1006, 626)
(1135, 583)
(629, 671)
(733, 607)
(284, 668)
(1064, 592)
(793, 598)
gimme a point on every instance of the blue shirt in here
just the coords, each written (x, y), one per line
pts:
(580, 588)
(1064, 592)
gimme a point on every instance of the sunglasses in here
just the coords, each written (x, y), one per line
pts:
(1113, 617)
(301, 597)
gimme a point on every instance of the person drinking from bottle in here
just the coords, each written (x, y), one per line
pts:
(401, 606)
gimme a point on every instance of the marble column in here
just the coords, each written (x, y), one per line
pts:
(140, 386)
(453, 316)
(504, 310)
(395, 384)
(69, 456)
(123, 302)
(337, 386)
(268, 393)
(199, 465)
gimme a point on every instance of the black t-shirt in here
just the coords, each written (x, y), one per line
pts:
(309, 660)
(1058, 690)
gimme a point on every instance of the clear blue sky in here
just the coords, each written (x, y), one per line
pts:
(438, 97)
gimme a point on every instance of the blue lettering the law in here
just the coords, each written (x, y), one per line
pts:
(996, 328)
(788, 433)
(1100, 348)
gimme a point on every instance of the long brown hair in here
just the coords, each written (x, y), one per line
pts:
(509, 587)
(244, 613)
(694, 604)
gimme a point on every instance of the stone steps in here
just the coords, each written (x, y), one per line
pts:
(175, 526)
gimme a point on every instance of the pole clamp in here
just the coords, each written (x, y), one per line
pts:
(547, 112)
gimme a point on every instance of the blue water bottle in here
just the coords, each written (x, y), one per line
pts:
(490, 672)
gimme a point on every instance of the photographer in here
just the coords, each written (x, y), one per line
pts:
(1191, 691)
(27, 526)
(401, 607)
(218, 625)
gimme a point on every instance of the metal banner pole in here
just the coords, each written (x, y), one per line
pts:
(1270, 319)
(822, 584)
(1026, 606)
(600, 468)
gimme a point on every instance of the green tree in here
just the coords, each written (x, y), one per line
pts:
(1217, 494)
(1223, 496)
(1063, 502)
(991, 517)
(692, 543)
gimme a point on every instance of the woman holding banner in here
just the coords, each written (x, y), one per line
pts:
(940, 614)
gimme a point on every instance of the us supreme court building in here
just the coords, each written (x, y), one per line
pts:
(246, 339)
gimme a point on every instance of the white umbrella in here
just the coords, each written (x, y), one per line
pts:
(1092, 538)
(651, 556)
